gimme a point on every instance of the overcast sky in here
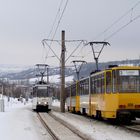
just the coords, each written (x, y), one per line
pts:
(25, 23)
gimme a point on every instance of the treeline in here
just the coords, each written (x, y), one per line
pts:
(15, 90)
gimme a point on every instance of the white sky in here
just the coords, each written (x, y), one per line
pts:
(25, 23)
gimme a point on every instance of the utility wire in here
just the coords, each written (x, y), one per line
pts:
(53, 25)
(57, 28)
(60, 19)
(44, 42)
(73, 51)
(114, 33)
(119, 19)
(55, 18)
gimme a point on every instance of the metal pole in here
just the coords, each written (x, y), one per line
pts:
(2, 91)
(62, 94)
(47, 75)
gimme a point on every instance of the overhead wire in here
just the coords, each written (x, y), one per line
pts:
(118, 20)
(44, 42)
(73, 51)
(60, 19)
(114, 33)
(53, 25)
(55, 31)
(58, 11)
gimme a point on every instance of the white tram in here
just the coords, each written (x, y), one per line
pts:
(42, 97)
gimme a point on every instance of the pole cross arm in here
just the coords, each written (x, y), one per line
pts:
(99, 42)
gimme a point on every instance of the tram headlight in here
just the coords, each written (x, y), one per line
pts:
(39, 102)
(45, 103)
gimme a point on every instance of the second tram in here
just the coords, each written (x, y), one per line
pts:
(113, 93)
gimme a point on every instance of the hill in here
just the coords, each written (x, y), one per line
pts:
(27, 72)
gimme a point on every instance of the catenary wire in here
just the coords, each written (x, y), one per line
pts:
(57, 29)
(60, 19)
(55, 18)
(122, 27)
(119, 19)
(73, 51)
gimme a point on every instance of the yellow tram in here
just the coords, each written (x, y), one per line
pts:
(110, 94)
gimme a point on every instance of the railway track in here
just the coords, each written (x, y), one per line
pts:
(135, 126)
(46, 127)
(57, 129)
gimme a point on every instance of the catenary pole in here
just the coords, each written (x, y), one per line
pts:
(62, 93)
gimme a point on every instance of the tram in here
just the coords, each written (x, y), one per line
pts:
(113, 93)
(42, 97)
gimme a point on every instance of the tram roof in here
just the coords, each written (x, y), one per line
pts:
(117, 68)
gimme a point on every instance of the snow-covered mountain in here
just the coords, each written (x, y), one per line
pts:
(14, 73)
(21, 72)
(12, 68)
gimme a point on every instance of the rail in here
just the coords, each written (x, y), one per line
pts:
(47, 127)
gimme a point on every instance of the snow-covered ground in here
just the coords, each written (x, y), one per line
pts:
(94, 129)
(19, 122)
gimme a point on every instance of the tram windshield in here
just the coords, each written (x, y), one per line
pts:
(42, 93)
(126, 81)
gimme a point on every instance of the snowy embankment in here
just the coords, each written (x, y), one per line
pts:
(95, 130)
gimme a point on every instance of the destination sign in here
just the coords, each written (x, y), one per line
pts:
(129, 72)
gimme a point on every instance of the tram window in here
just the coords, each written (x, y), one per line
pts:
(102, 84)
(92, 85)
(95, 85)
(129, 81)
(84, 87)
(129, 84)
(108, 82)
(42, 93)
(86, 90)
(114, 81)
(99, 84)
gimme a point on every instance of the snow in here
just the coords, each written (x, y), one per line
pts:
(11, 68)
(18, 122)
(95, 129)
(53, 79)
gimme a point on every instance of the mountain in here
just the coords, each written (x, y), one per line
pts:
(18, 72)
